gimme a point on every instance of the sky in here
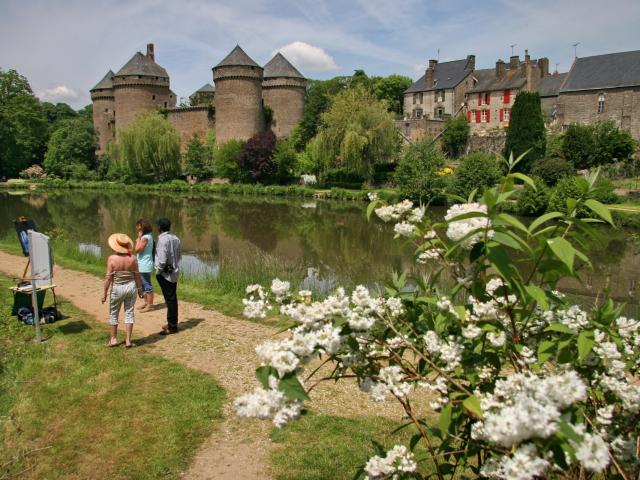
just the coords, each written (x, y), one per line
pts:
(65, 47)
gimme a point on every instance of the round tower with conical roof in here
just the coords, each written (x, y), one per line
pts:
(238, 97)
(283, 89)
(104, 111)
(141, 85)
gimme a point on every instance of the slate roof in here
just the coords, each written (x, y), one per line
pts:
(142, 65)
(446, 75)
(206, 88)
(279, 66)
(106, 82)
(550, 85)
(611, 70)
(488, 82)
(237, 58)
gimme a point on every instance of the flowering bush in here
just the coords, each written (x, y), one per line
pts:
(525, 384)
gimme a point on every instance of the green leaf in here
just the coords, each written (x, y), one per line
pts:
(563, 250)
(445, 420)
(513, 221)
(524, 178)
(371, 207)
(599, 209)
(586, 342)
(472, 404)
(559, 327)
(263, 373)
(504, 239)
(292, 387)
(542, 219)
(545, 350)
(538, 295)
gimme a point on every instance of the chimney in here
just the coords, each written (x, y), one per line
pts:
(501, 69)
(150, 53)
(543, 65)
(471, 62)
(428, 75)
(514, 62)
(527, 57)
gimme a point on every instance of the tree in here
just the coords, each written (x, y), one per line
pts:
(150, 148)
(418, 176)
(455, 136)
(56, 114)
(358, 132)
(477, 171)
(578, 146)
(86, 112)
(73, 144)
(198, 159)
(588, 146)
(526, 130)
(284, 161)
(391, 89)
(225, 160)
(256, 158)
(23, 128)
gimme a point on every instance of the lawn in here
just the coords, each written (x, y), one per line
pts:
(72, 408)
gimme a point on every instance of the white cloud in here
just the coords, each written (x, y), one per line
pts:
(307, 57)
(61, 93)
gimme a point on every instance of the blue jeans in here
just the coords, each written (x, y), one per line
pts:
(145, 277)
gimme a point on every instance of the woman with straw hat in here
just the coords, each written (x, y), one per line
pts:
(123, 279)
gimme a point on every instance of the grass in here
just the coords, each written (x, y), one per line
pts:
(223, 293)
(71, 408)
(318, 447)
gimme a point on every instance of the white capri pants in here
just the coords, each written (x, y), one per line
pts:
(122, 294)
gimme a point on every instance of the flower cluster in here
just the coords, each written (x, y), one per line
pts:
(257, 305)
(398, 460)
(469, 230)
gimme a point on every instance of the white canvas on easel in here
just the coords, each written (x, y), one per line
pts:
(40, 259)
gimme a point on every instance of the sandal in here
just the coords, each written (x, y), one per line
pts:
(131, 345)
(111, 344)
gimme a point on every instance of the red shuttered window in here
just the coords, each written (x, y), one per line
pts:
(469, 116)
(488, 116)
(501, 115)
(479, 99)
(506, 96)
(477, 116)
(488, 96)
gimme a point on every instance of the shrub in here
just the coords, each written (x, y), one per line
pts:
(552, 169)
(575, 187)
(225, 163)
(455, 136)
(383, 172)
(533, 202)
(417, 176)
(588, 146)
(554, 145)
(476, 171)
(284, 161)
(578, 146)
(526, 130)
(256, 158)
(198, 161)
(34, 172)
(343, 178)
(73, 143)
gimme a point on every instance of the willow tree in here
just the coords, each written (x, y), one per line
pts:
(357, 133)
(150, 148)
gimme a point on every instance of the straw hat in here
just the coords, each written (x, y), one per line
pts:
(120, 243)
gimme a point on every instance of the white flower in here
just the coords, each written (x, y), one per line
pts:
(431, 234)
(524, 464)
(573, 317)
(394, 306)
(459, 229)
(385, 213)
(592, 452)
(397, 460)
(373, 196)
(430, 254)
(496, 339)
(280, 289)
(278, 355)
(305, 293)
(416, 215)
(404, 229)
(471, 331)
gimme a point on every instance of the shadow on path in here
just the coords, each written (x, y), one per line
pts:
(156, 337)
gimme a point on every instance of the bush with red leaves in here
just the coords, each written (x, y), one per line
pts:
(256, 158)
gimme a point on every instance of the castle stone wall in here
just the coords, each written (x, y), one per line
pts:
(414, 129)
(134, 95)
(238, 102)
(622, 105)
(190, 122)
(103, 117)
(286, 99)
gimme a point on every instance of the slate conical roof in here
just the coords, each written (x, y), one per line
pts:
(106, 82)
(206, 88)
(237, 58)
(279, 66)
(142, 65)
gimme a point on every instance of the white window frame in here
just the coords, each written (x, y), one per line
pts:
(506, 114)
(483, 116)
(601, 103)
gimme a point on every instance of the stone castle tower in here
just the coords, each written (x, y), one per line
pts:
(238, 98)
(283, 89)
(104, 119)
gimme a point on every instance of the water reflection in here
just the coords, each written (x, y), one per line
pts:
(90, 248)
(325, 243)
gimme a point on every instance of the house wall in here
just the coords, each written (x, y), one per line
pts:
(416, 128)
(190, 122)
(622, 105)
(494, 106)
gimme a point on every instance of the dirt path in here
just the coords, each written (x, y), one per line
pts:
(223, 347)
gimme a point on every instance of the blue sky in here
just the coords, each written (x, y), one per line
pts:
(65, 47)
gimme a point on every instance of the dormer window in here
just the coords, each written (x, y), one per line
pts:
(601, 103)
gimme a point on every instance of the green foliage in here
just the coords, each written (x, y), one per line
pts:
(198, 159)
(455, 136)
(552, 169)
(358, 132)
(342, 178)
(588, 146)
(476, 172)
(150, 148)
(533, 202)
(526, 130)
(255, 159)
(86, 112)
(58, 113)
(267, 113)
(555, 142)
(71, 150)
(417, 176)
(23, 125)
(284, 161)
(225, 163)
(391, 89)
(577, 187)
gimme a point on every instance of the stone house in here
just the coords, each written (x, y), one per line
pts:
(549, 89)
(490, 100)
(602, 87)
(440, 92)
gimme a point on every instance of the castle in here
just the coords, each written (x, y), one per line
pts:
(235, 107)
